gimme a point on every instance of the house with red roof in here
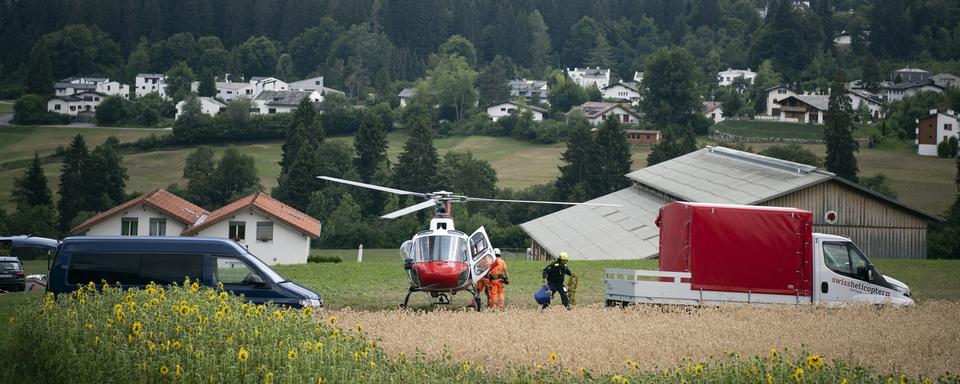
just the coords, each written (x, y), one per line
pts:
(158, 213)
(272, 231)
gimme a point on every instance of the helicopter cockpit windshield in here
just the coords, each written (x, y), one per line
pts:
(439, 248)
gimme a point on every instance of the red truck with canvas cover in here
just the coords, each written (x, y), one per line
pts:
(716, 253)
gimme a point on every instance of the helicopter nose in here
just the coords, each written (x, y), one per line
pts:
(441, 274)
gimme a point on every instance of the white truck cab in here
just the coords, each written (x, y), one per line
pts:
(844, 275)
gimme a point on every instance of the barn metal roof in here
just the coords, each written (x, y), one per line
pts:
(603, 233)
(723, 175)
(709, 175)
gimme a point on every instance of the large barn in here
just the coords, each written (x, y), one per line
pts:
(882, 226)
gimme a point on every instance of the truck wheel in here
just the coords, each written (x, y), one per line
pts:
(611, 303)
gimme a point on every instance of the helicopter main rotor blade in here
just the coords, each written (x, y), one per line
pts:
(410, 209)
(371, 186)
(540, 202)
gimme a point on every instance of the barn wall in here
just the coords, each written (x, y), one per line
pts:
(881, 229)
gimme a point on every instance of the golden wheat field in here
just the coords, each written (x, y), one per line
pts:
(924, 339)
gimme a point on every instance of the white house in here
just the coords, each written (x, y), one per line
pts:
(208, 106)
(274, 232)
(935, 128)
(597, 111)
(531, 90)
(623, 92)
(727, 77)
(311, 84)
(147, 83)
(228, 91)
(898, 91)
(774, 95)
(946, 80)
(873, 102)
(73, 85)
(713, 110)
(271, 230)
(804, 108)
(586, 77)
(83, 102)
(496, 111)
(267, 102)
(262, 83)
(843, 39)
(158, 213)
(405, 95)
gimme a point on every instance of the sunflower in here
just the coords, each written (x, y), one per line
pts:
(815, 362)
(552, 357)
(292, 354)
(698, 369)
(243, 355)
(319, 347)
(773, 353)
(178, 370)
(164, 370)
(770, 379)
(798, 374)
(223, 295)
(268, 378)
(333, 320)
(372, 364)
(137, 328)
(176, 345)
(183, 310)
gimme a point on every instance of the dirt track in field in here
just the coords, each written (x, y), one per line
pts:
(924, 339)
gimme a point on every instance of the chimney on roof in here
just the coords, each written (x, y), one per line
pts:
(933, 111)
(226, 77)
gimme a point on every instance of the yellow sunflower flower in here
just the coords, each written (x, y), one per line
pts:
(815, 362)
(137, 328)
(798, 374)
(552, 357)
(164, 370)
(292, 354)
(243, 355)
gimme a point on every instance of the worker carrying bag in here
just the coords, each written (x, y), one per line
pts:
(543, 295)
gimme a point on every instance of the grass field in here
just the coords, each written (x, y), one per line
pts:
(921, 181)
(757, 128)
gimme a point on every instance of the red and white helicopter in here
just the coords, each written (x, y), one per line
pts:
(441, 260)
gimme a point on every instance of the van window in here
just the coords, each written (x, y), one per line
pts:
(233, 271)
(168, 269)
(114, 268)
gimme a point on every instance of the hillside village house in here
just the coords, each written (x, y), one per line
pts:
(804, 108)
(897, 92)
(229, 91)
(597, 111)
(498, 110)
(713, 110)
(726, 78)
(628, 92)
(405, 96)
(774, 95)
(533, 91)
(945, 80)
(843, 39)
(102, 85)
(642, 136)
(208, 106)
(147, 83)
(934, 129)
(268, 102)
(586, 77)
(872, 102)
(83, 102)
(880, 225)
(274, 232)
(909, 75)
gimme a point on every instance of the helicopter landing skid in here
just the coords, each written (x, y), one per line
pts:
(442, 298)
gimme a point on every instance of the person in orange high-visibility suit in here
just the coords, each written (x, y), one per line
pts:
(498, 277)
(483, 288)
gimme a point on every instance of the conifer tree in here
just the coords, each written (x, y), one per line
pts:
(601, 55)
(304, 126)
(32, 190)
(417, 166)
(235, 176)
(370, 144)
(300, 159)
(611, 153)
(674, 143)
(576, 159)
(39, 79)
(838, 134)
(73, 186)
(106, 177)
(198, 171)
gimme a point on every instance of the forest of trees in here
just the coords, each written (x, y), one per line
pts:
(379, 46)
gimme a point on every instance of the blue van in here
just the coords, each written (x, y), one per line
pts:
(136, 261)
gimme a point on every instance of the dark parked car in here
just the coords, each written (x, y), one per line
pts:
(11, 274)
(136, 261)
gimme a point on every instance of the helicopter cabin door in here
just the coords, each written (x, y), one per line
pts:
(481, 254)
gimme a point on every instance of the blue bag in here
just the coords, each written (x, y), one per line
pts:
(543, 295)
